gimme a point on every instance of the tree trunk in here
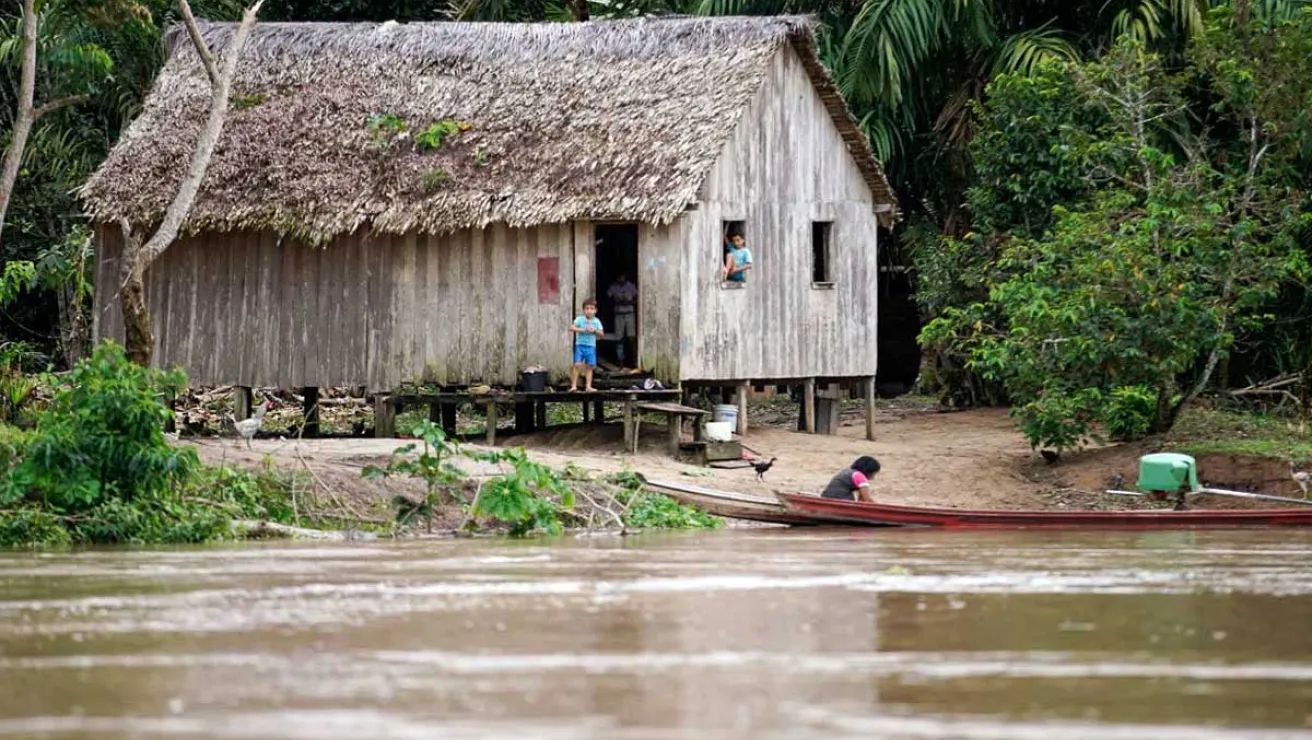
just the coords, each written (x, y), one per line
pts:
(1165, 415)
(137, 338)
(137, 258)
(26, 111)
(579, 9)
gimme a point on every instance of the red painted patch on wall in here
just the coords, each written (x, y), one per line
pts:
(548, 280)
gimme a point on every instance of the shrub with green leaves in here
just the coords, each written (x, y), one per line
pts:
(102, 438)
(529, 497)
(98, 463)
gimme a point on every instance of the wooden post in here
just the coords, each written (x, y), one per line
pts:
(384, 416)
(523, 417)
(585, 412)
(540, 412)
(241, 402)
(674, 427)
(743, 389)
(808, 405)
(491, 423)
(449, 419)
(628, 423)
(171, 423)
(599, 412)
(310, 409)
(870, 408)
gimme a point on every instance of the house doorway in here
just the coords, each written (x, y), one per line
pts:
(616, 257)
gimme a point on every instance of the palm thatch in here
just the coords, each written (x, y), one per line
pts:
(545, 123)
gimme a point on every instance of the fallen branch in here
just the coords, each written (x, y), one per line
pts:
(249, 528)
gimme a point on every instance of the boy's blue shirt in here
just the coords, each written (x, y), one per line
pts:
(583, 322)
(741, 257)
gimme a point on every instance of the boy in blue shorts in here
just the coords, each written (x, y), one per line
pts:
(586, 329)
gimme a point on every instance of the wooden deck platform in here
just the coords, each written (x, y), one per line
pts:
(530, 407)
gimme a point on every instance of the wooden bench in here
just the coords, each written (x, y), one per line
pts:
(675, 413)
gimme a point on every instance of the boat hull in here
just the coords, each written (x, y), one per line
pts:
(828, 511)
(731, 504)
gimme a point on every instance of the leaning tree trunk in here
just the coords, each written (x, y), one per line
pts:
(26, 111)
(136, 257)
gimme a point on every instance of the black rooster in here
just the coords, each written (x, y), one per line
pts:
(1050, 456)
(762, 467)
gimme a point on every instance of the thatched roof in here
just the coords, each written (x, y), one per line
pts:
(619, 119)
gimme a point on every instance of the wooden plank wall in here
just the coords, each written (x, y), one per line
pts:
(660, 263)
(784, 167)
(376, 311)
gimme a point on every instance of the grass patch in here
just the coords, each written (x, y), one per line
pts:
(1203, 431)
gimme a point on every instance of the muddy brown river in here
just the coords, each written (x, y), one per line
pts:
(763, 634)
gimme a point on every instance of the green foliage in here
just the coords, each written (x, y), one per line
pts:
(649, 510)
(1153, 254)
(98, 469)
(644, 509)
(433, 465)
(432, 137)
(12, 443)
(1129, 412)
(385, 128)
(32, 526)
(480, 158)
(17, 388)
(18, 276)
(529, 497)
(433, 179)
(102, 438)
(246, 102)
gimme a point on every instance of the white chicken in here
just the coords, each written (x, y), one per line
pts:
(1302, 477)
(248, 427)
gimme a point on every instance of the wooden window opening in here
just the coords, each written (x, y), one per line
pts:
(728, 230)
(821, 257)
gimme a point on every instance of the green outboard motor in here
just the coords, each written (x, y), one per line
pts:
(1168, 472)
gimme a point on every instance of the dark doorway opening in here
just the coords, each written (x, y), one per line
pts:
(617, 256)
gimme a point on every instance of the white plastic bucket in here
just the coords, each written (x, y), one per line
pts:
(719, 431)
(725, 412)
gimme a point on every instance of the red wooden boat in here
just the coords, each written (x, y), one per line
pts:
(827, 510)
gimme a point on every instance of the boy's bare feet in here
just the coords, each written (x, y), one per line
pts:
(573, 390)
(590, 390)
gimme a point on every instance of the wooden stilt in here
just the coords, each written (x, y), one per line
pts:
(449, 419)
(491, 423)
(171, 423)
(743, 389)
(384, 416)
(599, 412)
(586, 418)
(674, 430)
(540, 410)
(870, 408)
(628, 424)
(808, 405)
(523, 417)
(241, 402)
(310, 410)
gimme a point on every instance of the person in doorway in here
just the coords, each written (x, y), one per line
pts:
(853, 482)
(586, 329)
(737, 259)
(624, 295)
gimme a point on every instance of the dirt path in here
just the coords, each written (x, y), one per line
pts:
(971, 458)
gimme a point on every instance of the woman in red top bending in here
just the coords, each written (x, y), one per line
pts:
(853, 482)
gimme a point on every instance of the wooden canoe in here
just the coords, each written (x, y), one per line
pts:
(828, 511)
(730, 503)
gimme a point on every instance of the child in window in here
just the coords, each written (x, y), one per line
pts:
(737, 260)
(586, 329)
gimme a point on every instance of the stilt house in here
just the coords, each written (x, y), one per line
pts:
(433, 202)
